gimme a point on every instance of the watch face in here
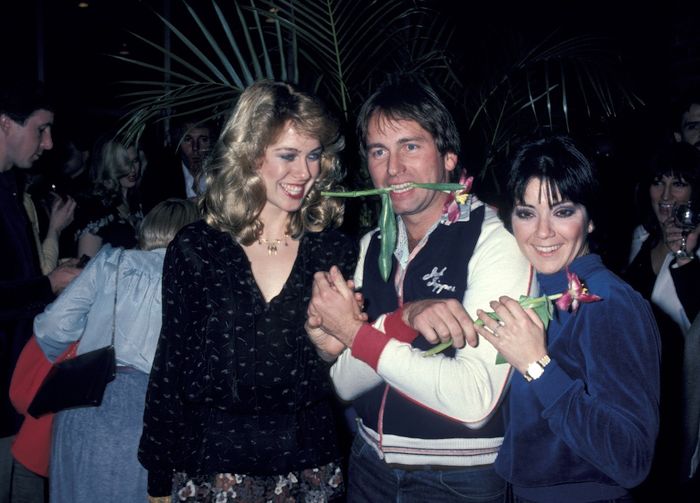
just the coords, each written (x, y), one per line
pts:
(535, 370)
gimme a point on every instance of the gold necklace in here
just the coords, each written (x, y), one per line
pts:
(273, 244)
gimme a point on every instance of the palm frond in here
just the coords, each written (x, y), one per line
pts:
(206, 63)
(328, 30)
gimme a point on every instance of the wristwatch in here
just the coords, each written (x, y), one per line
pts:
(536, 369)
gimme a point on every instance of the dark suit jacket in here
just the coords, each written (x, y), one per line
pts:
(162, 179)
(24, 291)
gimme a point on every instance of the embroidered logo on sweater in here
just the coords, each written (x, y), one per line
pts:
(432, 280)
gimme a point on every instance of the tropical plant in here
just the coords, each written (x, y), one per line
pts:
(195, 79)
(313, 42)
(342, 49)
(554, 85)
(396, 35)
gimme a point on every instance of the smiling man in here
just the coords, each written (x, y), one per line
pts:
(429, 429)
(26, 118)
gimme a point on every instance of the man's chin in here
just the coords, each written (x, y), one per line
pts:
(26, 164)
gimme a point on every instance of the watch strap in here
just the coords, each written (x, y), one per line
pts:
(542, 363)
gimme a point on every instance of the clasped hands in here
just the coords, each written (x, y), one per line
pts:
(335, 316)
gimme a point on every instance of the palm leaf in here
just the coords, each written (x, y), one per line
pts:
(328, 30)
(196, 68)
(542, 86)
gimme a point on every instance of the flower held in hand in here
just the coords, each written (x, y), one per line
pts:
(569, 300)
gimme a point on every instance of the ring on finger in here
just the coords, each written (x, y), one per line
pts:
(499, 325)
(494, 330)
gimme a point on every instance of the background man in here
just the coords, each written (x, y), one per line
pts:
(686, 117)
(178, 177)
(26, 118)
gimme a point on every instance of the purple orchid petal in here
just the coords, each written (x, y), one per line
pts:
(575, 295)
(564, 302)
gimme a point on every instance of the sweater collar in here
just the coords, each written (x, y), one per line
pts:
(583, 267)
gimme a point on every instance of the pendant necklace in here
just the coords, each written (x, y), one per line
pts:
(273, 244)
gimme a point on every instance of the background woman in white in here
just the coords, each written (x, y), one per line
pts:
(672, 284)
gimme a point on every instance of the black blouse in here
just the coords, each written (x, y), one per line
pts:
(103, 218)
(236, 386)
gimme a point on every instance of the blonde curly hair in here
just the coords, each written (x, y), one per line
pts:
(235, 192)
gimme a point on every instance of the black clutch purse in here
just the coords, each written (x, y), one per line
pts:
(79, 381)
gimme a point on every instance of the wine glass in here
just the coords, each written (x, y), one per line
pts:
(686, 218)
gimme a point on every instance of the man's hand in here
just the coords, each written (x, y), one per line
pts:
(441, 320)
(334, 307)
(63, 275)
(327, 346)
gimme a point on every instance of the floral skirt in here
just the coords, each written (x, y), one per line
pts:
(312, 485)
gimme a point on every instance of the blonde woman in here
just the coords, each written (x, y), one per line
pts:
(240, 406)
(112, 213)
(93, 454)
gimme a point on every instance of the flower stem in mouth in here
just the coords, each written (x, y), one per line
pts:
(387, 218)
(384, 190)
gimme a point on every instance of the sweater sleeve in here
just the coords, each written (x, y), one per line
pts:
(469, 386)
(610, 417)
(163, 419)
(64, 320)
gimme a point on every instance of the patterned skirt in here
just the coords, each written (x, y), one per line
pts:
(312, 485)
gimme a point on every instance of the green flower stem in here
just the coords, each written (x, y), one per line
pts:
(387, 218)
(387, 223)
(376, 192)
(356, 193)
(526, 303)
(448, 187)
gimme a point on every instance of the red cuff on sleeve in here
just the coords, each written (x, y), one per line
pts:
(369, 344)
(397, 329)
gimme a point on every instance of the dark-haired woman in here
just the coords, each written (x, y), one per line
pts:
(670, 280)
(583, 404)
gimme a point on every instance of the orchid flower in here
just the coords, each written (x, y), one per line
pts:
(569, 300)
(575, 294)
(451, 207)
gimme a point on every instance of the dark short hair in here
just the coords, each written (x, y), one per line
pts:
(686, 99)
(409, 98)
(678, 159)
(561, 166)
(182, 124)
(19, 100)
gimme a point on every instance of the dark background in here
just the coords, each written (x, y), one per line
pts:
(658, 44)
(68, 46)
